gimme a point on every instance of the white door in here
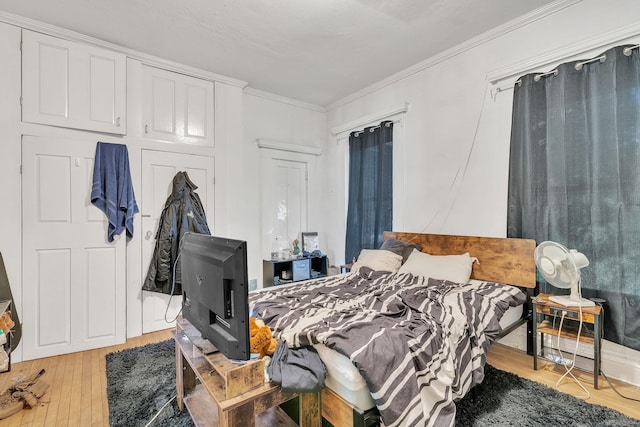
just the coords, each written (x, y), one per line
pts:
(176, 107)
(284, 202)
(72, 85)
(74, 281)
(158, 170)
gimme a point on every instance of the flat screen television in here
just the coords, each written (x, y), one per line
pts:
(215, 291)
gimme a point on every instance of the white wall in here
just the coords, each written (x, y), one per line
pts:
(453, 119)
(10, 158)
(282, 120)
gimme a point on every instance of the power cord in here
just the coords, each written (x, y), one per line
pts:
(173, 285)
(602, 372)
(159, 411)
(569, 369)
(616, 390)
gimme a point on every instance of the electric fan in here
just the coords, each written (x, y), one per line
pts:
(561, 268)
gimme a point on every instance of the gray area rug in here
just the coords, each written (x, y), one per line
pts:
(141, 380)
(505, 399)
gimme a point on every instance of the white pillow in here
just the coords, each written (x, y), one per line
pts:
(378, 260)
(455, 268)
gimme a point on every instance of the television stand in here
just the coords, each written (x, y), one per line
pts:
(219, 392)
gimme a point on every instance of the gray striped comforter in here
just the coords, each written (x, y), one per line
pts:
(419, 343)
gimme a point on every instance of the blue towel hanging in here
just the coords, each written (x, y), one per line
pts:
(112, 190)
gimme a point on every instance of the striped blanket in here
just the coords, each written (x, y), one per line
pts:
(419, 343)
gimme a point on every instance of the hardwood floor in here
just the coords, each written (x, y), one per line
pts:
(77, 395)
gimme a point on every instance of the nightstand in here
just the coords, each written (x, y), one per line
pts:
(345, 268)
(545, 310)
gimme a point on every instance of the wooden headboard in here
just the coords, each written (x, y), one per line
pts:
(502, 260)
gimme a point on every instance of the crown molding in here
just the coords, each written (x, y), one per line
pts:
(286, 146)
(283, 99)
(563, 54)
(496, 32)
(371, 118)
(52, 30)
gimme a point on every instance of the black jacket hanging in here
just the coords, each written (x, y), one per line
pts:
(183, 211)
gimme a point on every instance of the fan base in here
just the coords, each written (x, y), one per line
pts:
(567, 301)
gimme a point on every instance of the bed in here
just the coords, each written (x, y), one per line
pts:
(400, 345)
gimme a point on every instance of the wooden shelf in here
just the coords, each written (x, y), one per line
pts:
(545, 309)
(568, 331)
(199, 403)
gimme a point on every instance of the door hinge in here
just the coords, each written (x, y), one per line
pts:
(20, 169)
(21, 101)
(20, 45)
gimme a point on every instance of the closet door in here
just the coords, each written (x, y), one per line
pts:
(158, 170)
(177, 108)
(73, 279)
(72, 85)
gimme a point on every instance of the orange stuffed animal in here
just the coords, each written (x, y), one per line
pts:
(261, 342)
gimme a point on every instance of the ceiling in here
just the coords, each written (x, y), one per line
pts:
(316, 51)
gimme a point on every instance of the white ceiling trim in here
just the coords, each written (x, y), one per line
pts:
(371, 118)
(283, 99)
(286, 146)
(52, 30)
(563, 54)
(499, 31)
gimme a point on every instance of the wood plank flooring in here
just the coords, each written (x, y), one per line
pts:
(77, 395)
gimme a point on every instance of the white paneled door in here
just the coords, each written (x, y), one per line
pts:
(176, 107)
(72, 84)
(73, 279)
(284, 190)
(158, 170)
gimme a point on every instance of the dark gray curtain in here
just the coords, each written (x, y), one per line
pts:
(575, 177)
(370, 206)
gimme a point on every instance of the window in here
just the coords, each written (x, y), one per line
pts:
(370, 205)
(575, 175)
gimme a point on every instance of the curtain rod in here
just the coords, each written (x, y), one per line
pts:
(372, 128)
(371, 118)
(627, 51)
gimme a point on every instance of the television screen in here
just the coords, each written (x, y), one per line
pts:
(215, 291)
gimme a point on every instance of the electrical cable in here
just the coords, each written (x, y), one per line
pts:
(616, 390)
(575, 353)
(173, 285)
(159, 411)
(460, 174)
(607, 378)
(574, 357)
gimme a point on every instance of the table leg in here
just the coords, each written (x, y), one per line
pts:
(596, 350)
(179, 385)
(310, 410)
(534, 339)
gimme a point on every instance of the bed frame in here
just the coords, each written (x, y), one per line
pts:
(502, 260)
